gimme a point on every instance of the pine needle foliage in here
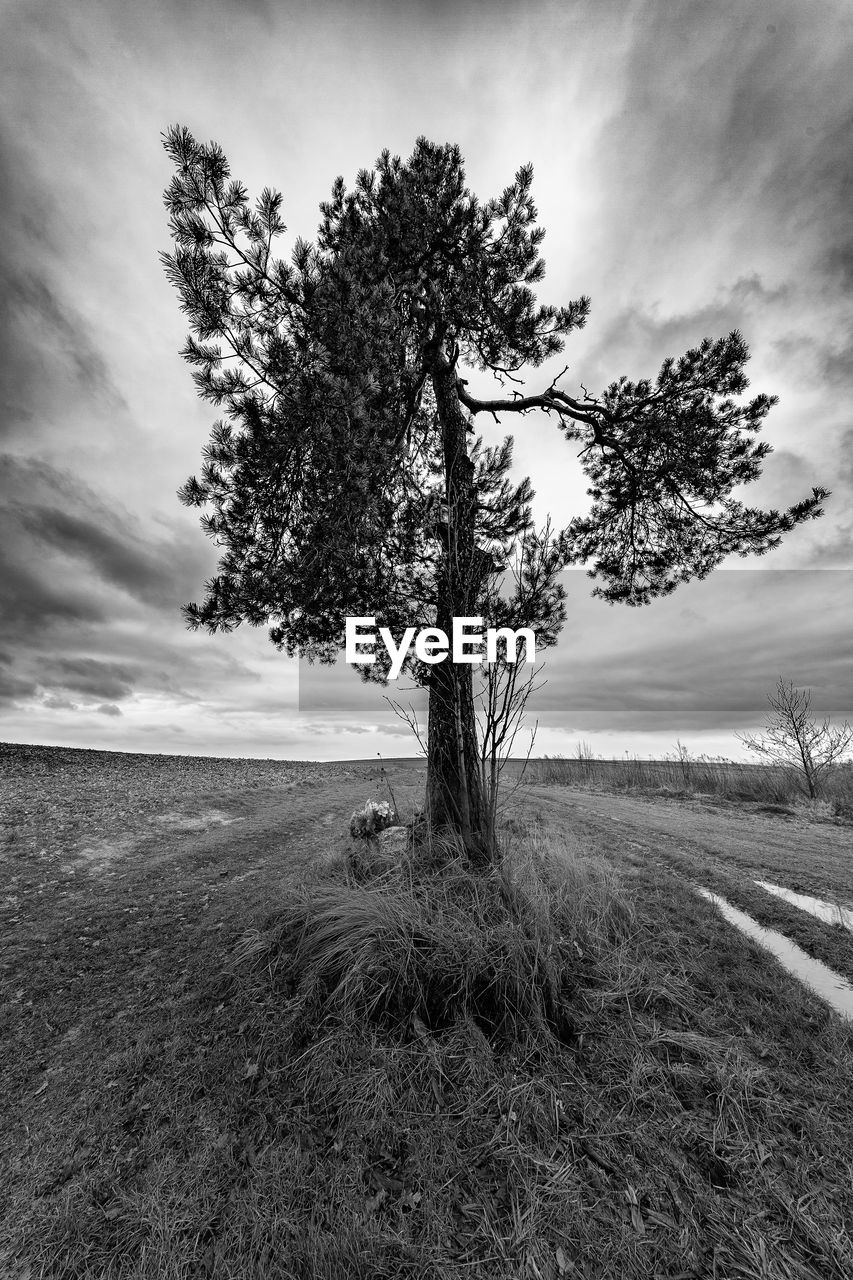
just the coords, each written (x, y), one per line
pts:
(323, 481)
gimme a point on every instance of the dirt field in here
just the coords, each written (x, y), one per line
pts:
(114, 867)
(127, 879)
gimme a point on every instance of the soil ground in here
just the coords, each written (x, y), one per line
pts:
(125, 886)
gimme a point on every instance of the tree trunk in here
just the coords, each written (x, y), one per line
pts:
(454, 785)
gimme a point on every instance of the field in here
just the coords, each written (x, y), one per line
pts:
(174, 1105)
(684, 775)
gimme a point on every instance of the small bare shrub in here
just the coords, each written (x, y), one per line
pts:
(793, 737)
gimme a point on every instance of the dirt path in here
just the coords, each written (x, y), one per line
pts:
(812, 857)
(722, 850)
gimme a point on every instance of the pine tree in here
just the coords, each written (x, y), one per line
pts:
(345, 477)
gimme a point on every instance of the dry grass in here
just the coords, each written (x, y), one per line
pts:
(430, 937)
(769, 785)
(381, 1089)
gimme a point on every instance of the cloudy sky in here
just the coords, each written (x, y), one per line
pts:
(693, 166)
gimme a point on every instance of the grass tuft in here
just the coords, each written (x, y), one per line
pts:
(430, 937)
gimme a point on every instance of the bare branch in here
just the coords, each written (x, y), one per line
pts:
(792, 737)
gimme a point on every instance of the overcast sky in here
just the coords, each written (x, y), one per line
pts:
(692, 168)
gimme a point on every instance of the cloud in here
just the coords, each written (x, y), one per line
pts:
(49, 353)
(645, 334)
(106, 680)
(52, 517)
(89, 605)
(836, 549)
(113, 554)
(53, 702)
(705, 657)
(30, 604)
(723, 170)
(14, 688)
(754, 121)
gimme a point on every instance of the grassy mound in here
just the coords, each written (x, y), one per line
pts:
(431, 939)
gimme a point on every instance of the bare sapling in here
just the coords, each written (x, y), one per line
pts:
(795, 738)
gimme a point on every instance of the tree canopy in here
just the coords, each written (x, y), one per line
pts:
(324, 481)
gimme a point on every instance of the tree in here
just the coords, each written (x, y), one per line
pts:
(794, 737)
(503, 687)
(345, 478)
